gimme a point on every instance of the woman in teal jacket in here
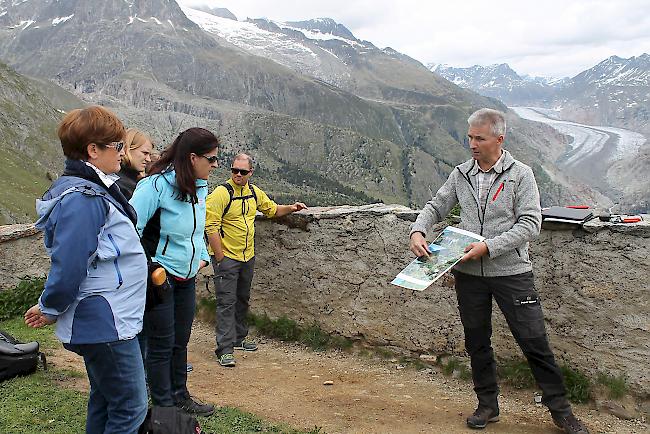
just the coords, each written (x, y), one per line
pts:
(170, 204)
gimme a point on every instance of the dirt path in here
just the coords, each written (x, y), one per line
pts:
(284, 383)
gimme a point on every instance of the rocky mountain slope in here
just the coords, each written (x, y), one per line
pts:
(30, 152)
(329, 117)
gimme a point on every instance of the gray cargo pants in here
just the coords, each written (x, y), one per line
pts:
(232, 282)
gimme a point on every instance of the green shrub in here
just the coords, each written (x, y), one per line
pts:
(15, 301)
(616, 386)
(288, 330)
(578, 386)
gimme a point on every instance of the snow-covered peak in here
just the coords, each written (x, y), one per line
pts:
(323, 28)
(617, 71)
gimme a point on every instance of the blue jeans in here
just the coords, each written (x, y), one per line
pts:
(118, 393)
(167, 327)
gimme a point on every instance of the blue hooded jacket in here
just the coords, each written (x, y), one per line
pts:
(171, 228)
(96, 287)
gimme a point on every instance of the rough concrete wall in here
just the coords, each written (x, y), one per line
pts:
(594, 285)
(21, 254)
(332, 266)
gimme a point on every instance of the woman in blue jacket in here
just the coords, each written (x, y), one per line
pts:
(95, 290)
(170, 204)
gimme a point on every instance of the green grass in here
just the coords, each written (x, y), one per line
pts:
(44, 335)
(454, 364)
(228, 420)
(36, 404)
(616, 386)
(516, 373)
(21, 183)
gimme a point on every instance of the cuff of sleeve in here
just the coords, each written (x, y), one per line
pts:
(492, 249)
(50, 314)
(418, 228)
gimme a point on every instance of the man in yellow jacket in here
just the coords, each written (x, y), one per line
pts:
(230, 228)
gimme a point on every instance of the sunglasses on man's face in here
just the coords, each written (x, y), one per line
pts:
(211, 159)
(235, 171)
(118, 146)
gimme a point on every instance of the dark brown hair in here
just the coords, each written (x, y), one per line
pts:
(197, 141)
(81, 127)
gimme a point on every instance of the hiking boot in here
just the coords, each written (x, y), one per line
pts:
(570, 424)
(481, 417)
(227, 360)
(191, 406)
(246, 346)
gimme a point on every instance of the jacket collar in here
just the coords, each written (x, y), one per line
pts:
(470, 167)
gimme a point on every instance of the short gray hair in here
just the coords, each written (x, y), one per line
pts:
(242, 156)
(494, 118)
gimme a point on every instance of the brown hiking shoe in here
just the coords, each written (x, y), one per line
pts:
(570, 424)
(481, 417)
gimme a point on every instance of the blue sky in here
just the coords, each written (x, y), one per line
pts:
(554, 38)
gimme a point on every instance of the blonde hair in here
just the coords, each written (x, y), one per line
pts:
(133, 139)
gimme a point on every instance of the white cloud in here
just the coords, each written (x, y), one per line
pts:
(552, 38)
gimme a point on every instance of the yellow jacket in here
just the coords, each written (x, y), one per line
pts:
(237, 227)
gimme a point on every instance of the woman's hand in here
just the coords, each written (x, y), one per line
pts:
(35, 318)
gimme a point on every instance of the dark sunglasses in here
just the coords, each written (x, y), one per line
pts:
(118, 146)
(213, 159)
(235, 171)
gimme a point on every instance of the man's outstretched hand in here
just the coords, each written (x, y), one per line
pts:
(298, 206)
(418, 245)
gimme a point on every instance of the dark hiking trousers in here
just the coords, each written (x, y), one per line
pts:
(167, 327)
(232, 282)
(520, 304)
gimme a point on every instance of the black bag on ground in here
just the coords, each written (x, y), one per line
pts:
(169, 420)
(17, 358)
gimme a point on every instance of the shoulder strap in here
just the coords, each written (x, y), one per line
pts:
(231, 193)
(252, 187)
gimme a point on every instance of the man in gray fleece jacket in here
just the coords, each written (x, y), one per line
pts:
(499, 200)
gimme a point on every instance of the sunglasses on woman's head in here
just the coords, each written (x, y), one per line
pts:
(118, 146)
(235, 171)
(211, 159)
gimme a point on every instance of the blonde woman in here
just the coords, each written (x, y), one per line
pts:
(138, 149)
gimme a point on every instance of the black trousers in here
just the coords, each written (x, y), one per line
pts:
(520, 304)
(167, 327)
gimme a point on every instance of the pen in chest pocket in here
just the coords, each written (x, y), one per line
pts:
(498, 191)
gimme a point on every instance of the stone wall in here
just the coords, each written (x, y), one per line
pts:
(332, 266)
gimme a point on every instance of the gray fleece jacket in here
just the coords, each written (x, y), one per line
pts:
(512, 215)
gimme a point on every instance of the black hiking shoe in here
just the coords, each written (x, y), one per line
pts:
(191, 406)
(481, 417)
(570, 424)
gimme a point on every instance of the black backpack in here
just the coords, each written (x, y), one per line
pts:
(17, 358)
(169, 420)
